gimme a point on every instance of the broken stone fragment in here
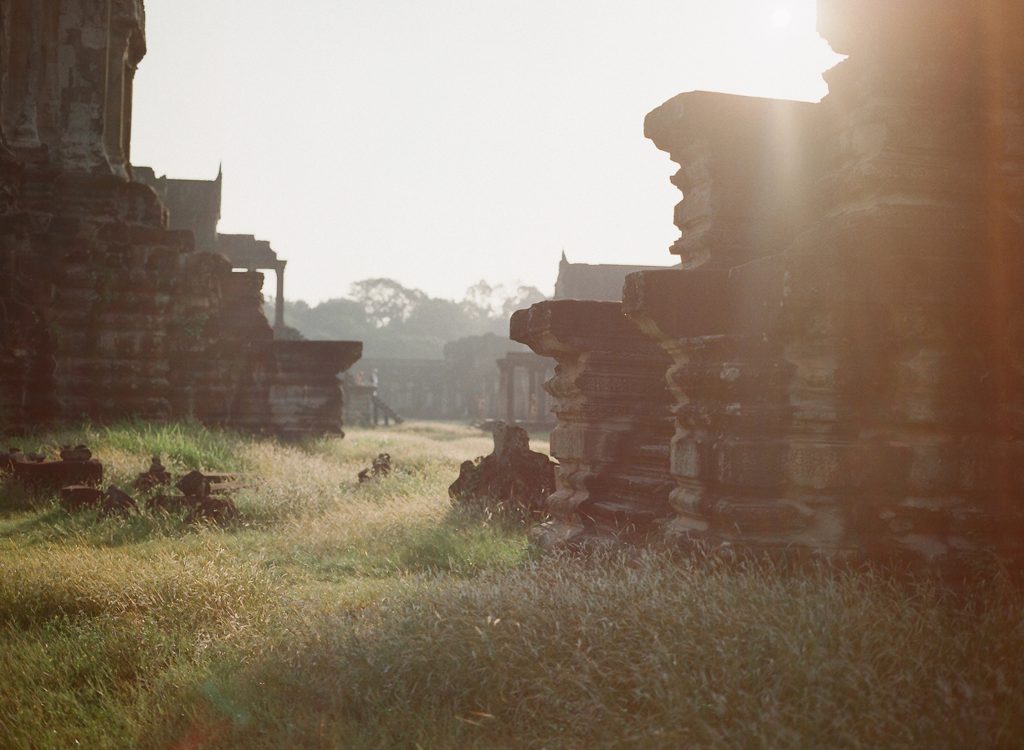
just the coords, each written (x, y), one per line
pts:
(205, 497)
(194, 484)
(382, 465)
(512, 481)
(42, 476)
(155, 476)
(78, 453)
(210, 509)
(117, 501)
(380, 468)
(78, 497)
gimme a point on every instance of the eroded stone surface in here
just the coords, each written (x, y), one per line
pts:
(380, 468)
(846, 335)
(855, 387)
(512, 482)
(50, 476)
(614, 418)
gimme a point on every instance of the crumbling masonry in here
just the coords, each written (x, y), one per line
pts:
(842, 351)
(104, 312)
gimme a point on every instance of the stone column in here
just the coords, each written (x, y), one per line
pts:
(742, 474)
(83, 60)
(510, 395)
(24, 60)
(125, 48)
(502, 385)
(614, 421)
(540, 374)
(279, 299)
(745, 164)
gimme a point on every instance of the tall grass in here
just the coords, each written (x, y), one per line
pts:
(339, 615)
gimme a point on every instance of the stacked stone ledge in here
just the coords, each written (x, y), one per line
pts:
(846, 333)
(614, 419)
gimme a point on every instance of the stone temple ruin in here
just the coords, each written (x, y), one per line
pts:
(194, 205)
(837, 366)
(105, 311)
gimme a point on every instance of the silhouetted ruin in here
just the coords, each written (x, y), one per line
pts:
(105, 311)
(837, 366)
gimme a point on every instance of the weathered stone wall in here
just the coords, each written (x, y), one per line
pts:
(846, 335)
(107, 313)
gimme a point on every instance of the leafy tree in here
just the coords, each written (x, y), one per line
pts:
(440, 317)
(395, 321)
(385, 301)
(524, 297)
(483, 300)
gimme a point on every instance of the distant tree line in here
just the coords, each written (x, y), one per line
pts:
(395, 321)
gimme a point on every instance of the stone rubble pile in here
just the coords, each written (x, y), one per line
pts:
(201, 496)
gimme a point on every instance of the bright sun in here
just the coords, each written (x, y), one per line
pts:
(782, 17)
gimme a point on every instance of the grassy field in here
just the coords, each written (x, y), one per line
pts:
(334, 615)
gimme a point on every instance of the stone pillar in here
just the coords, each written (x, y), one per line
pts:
(614, 421)
(502, 386)
(541, 396)
(744, 162)
(741, 474)
(23, 45)
(83, 59)
(745, 166)
(279, 299)
(509, 374)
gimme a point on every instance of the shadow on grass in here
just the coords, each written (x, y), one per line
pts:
(454, 547)
(52, 523)
(45, 521)
(15, 498)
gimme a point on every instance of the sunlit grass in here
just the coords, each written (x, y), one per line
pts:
(339, 615)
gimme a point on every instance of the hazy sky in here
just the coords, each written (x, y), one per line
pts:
(439, 142)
